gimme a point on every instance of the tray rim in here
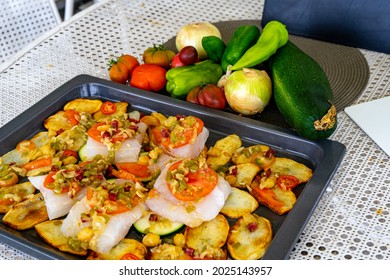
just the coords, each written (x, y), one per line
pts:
(289, 231)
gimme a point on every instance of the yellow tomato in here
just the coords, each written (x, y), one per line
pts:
(158, 55)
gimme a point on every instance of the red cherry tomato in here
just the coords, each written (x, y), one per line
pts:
(108, 108)
(212, 96)
(287, 182)
(188, 55)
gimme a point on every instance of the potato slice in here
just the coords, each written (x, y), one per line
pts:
(121, 108)
(244, 174)
(27, 150)
(261, 155)
(50, 232)
(168, 252)
(249, 237)
(57, 122)
(286, 166)
(27, 214)
(126, 249)
(72, 139)
(239, 203)
(207, 239)
(9, 196)
(88, 106)
(221, 153)
(278, 200)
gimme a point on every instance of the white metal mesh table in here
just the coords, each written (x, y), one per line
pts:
(352, 219)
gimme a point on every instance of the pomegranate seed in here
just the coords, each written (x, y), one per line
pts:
(79, 174)
(112, 196)
(153, 217)
(133, 127)
(234, 170)
(133, 120)
(270, 153)
(165, 133)
(252, 227)
(189, 251)
(54, 168)
(106, 134)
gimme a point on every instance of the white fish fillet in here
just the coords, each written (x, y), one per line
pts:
(128, 152)
(57, 205)
(168, 206)
(115, 230)
(192, 150)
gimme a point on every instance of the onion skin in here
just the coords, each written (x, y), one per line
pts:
(248, 91)
(192, 34)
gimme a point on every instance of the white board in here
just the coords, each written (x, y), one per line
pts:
(373, 117)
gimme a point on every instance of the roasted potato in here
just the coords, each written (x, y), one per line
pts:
(27, 214)
(243, 174)
(50, 232)
(249, 237)
(9, 196)
(207, 239)
(89, 106)
(168, 251)
(27, 150)
(278, 200)
(72, 139)
(286, 166)
(221, 153)
(261, 155)
(238, 203)
(121, 108)
(126, 249)
(57, 122)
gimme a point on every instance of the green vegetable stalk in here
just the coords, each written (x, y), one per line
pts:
(244, 37)
(274, 36)
(180, 80)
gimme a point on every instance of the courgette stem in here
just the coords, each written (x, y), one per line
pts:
(327, 121)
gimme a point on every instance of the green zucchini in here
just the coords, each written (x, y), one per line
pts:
(302, 92)
(83, 153)
(157, 225)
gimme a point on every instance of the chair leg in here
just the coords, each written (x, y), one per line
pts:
(69, 8)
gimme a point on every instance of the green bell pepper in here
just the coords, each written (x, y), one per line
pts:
(180, 80)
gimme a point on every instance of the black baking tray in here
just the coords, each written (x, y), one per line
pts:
(323, 156)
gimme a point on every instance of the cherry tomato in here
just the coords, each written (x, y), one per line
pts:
(122, 68)
(72, 116)
(287, 182)
(130, 61)
(212, 96)
(176, 62)
(119, 72)
(192, 96)
(158, 55)
(108, 107)
(149, 77)
(188, 55)
(199, 182)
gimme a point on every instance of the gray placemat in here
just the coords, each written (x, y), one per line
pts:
(345, 67)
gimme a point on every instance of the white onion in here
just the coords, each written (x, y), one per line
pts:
(248, 91)
(192, 34)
